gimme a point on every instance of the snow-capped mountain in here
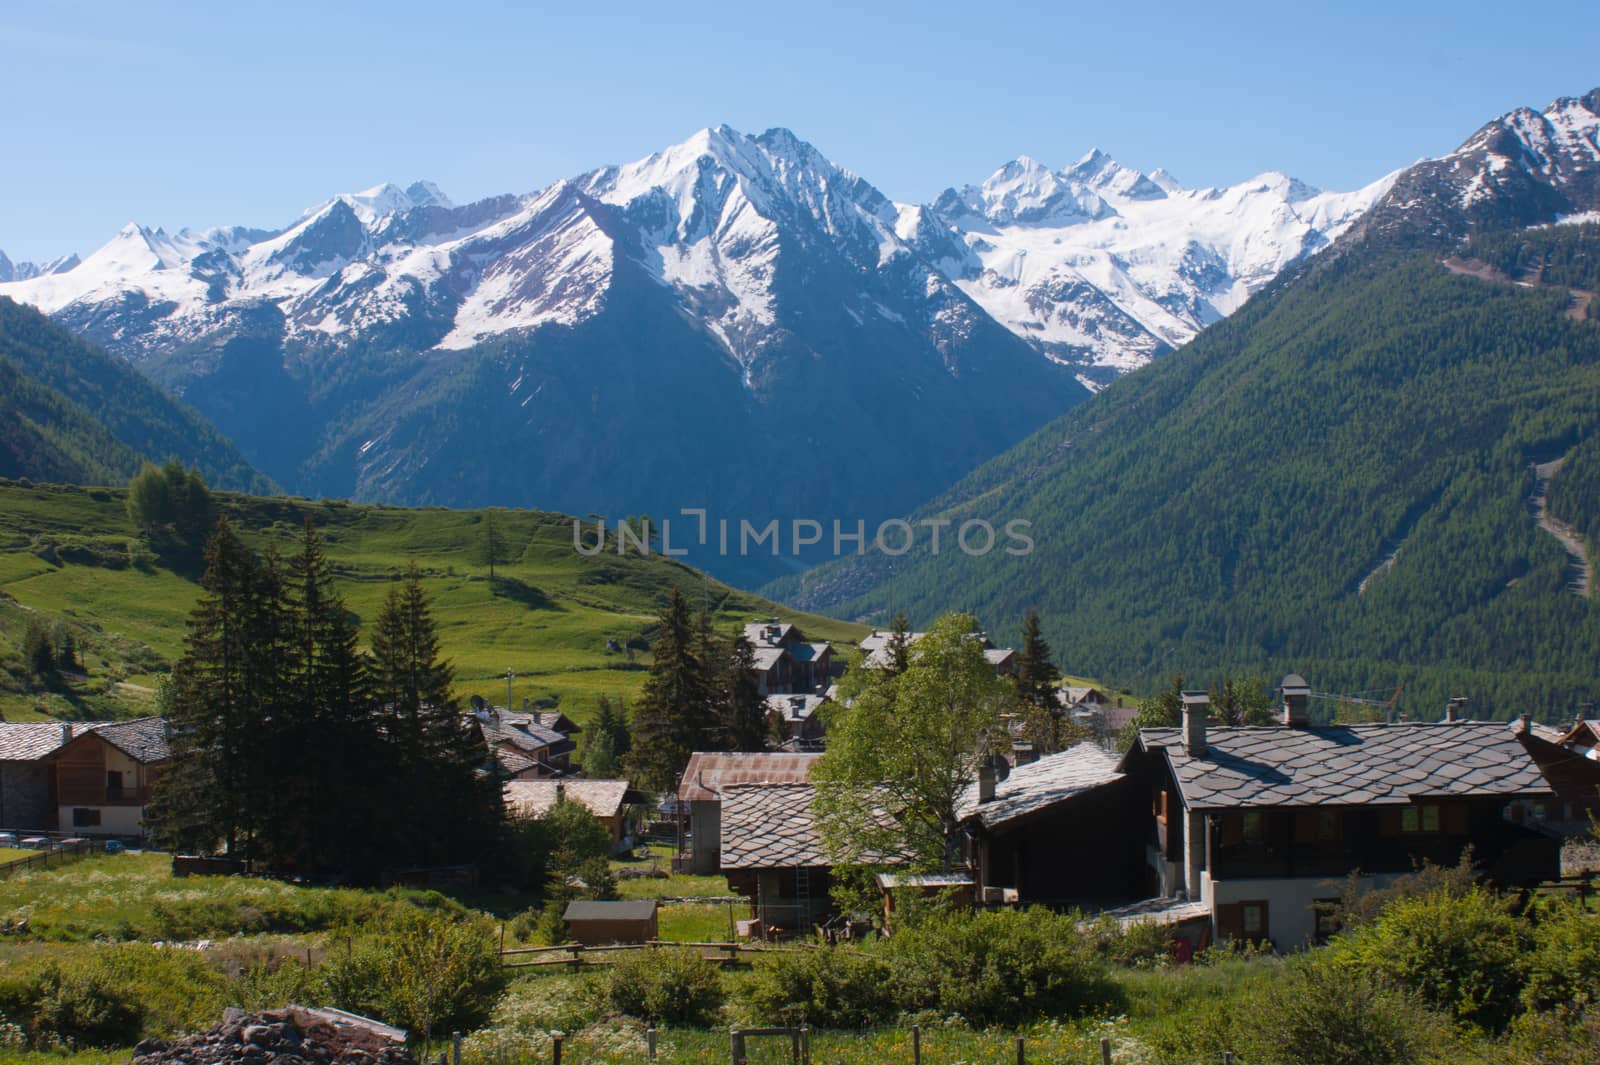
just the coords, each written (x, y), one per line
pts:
(699, 325)
(1103, 267)
(24, 271)
(1524, 168)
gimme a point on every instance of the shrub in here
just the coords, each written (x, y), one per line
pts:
(1459, 952)
(1000, 967)
(828, 987)
(69, 1005)
(1317, 1013)
(1564, 967)
(1140, 945)
(428, 972)
(674, 986)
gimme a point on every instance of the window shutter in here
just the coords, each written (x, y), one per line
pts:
(1454, 819)
(1232, 829)
(1230, 921)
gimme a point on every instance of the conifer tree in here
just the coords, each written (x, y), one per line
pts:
(897, 651)
(674, 715)
(452, 809)
(743, 710)
(1035, 680)
(606, 742)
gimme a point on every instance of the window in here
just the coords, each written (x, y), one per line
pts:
(113, 785)
(1255, 826)
(1327, 826)
(1253, 919)
(85, 817)
(1418, 820)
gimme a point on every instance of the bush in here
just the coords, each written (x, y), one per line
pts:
(1461, 953)
(1563, 970)
(1140, 945)
(1318, 1013)
(428, 972)
(828, 987)
(673, 986)
(58, 1005)
(999, 967)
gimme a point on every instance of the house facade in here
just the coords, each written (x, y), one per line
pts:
(1062, 830)
(701, 789)
(785, 662)
(526, 745)
(105, 776)
(1264, 824)
(613, 802)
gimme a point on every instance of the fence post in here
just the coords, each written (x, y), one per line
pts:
(916, 1044)
(1227, 1057)
(736, 1046)
(1105, 1051)
(805, 1044)
(650, 1043)
(555, 1047)
(455, 1045)
(1022, 1052)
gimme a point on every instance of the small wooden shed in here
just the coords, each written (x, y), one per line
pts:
(594, 923)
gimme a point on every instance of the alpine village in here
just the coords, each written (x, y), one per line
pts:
(521, 631)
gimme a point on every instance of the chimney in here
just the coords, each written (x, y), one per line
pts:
(66, 733)
(1452, 709)
(1196, 708)
(1296, 701)
(986, 781)
(1524, 724)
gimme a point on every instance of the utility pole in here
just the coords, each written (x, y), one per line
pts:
(509, 676)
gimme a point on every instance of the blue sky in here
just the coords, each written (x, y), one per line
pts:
(201, 114)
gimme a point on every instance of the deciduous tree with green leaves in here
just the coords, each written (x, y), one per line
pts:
(903, 748)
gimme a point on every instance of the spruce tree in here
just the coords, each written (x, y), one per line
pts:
(606, 741)
(451, 806)
(674, 715)
(897, 651)
(743, 710)
(1035, 680)
(222, 702)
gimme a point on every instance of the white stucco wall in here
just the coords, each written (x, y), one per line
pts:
(1291, 918)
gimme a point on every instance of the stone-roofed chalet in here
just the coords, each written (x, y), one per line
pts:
(785, 662)
(1062, 829)
(613, 802)
(1261, 823)
(524, 746)
(103, 778)
(773, 853)
(705, 780)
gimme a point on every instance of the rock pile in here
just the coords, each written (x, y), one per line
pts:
(290, 1036)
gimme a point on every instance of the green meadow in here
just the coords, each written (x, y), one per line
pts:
(72, 556)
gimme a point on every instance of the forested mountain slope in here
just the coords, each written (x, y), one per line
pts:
(1335, 480)
(92, 396)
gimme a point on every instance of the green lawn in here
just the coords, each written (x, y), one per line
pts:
(12, 854)
(72, 555)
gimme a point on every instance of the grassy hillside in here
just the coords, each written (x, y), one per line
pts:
(72, 555)
(1340, 479)
(95, 397)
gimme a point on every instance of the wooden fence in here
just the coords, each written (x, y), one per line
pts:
(59, 852)
(577, 955)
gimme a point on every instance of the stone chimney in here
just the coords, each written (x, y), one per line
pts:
(1453, 708)
(986, 781)
(1196, 709)
(66, 733)
(1524, 724)
(1296, 701)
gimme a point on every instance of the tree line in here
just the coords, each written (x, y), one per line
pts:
(294, 747)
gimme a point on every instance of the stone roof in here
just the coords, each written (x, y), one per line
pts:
(534, 798)
(709, 773)
(523, 731)
(623, 910)
(757, 632)
(29, 741)
(770, 826)
(1042, 784)
(796, 706)
(1347, 765)
(143, 739)
(767, 657)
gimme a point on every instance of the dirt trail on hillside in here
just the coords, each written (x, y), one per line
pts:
(1582, 573)
(1577, 309)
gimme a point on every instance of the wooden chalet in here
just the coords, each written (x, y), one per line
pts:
(1261, 824)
